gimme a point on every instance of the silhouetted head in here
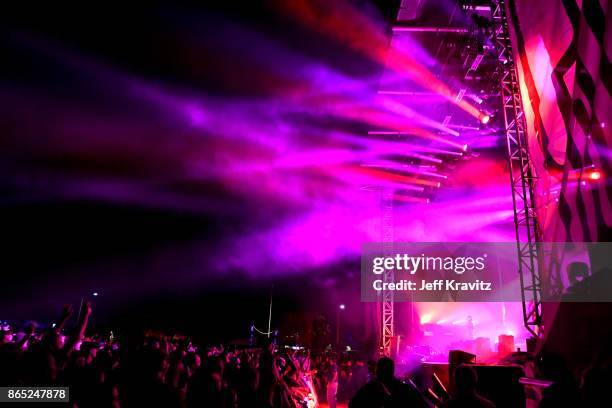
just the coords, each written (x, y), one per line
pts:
(552, 367)
(6, 336)
(465, 379)
(385, 369)
(595, 385)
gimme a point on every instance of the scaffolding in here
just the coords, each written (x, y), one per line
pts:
(522, 175)
(388, 276)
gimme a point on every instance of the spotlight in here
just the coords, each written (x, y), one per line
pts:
(484, 119)
(426, 318)
(95, 293)
(465, 147)
(342, 307)
(595, 175)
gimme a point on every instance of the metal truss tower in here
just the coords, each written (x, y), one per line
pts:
(522, 174)
(388, 276)
(522, 178)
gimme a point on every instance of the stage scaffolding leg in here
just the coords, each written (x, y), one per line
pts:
(522, 174)
(388, 276)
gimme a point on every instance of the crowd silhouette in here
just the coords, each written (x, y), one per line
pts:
(156, 370)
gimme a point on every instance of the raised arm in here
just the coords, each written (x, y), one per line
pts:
(63, 318)
(80, 332)
(66, 313)
(24, 342)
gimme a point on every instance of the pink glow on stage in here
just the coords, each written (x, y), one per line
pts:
(410, 199)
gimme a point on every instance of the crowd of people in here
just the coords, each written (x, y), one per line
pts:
(153, 370)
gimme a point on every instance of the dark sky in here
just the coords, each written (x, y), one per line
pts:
(61, 245)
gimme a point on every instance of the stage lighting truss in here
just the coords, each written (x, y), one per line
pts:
(387, 295)
(482, 55)
(522, 175)
(461, 54)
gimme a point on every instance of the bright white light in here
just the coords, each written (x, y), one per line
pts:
(596, 175)
(484, 119)
(342, 307)
(95, 293)
(426, 318)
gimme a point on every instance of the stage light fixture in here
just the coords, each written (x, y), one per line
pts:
(484, 119)
(595, 175)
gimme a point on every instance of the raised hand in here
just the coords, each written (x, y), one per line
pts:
(67, 311)
(86, 310)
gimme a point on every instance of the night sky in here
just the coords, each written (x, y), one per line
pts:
(94, 194)
(182, 160)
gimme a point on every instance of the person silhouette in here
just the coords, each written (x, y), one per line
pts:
(465, 395)
(387, 391)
